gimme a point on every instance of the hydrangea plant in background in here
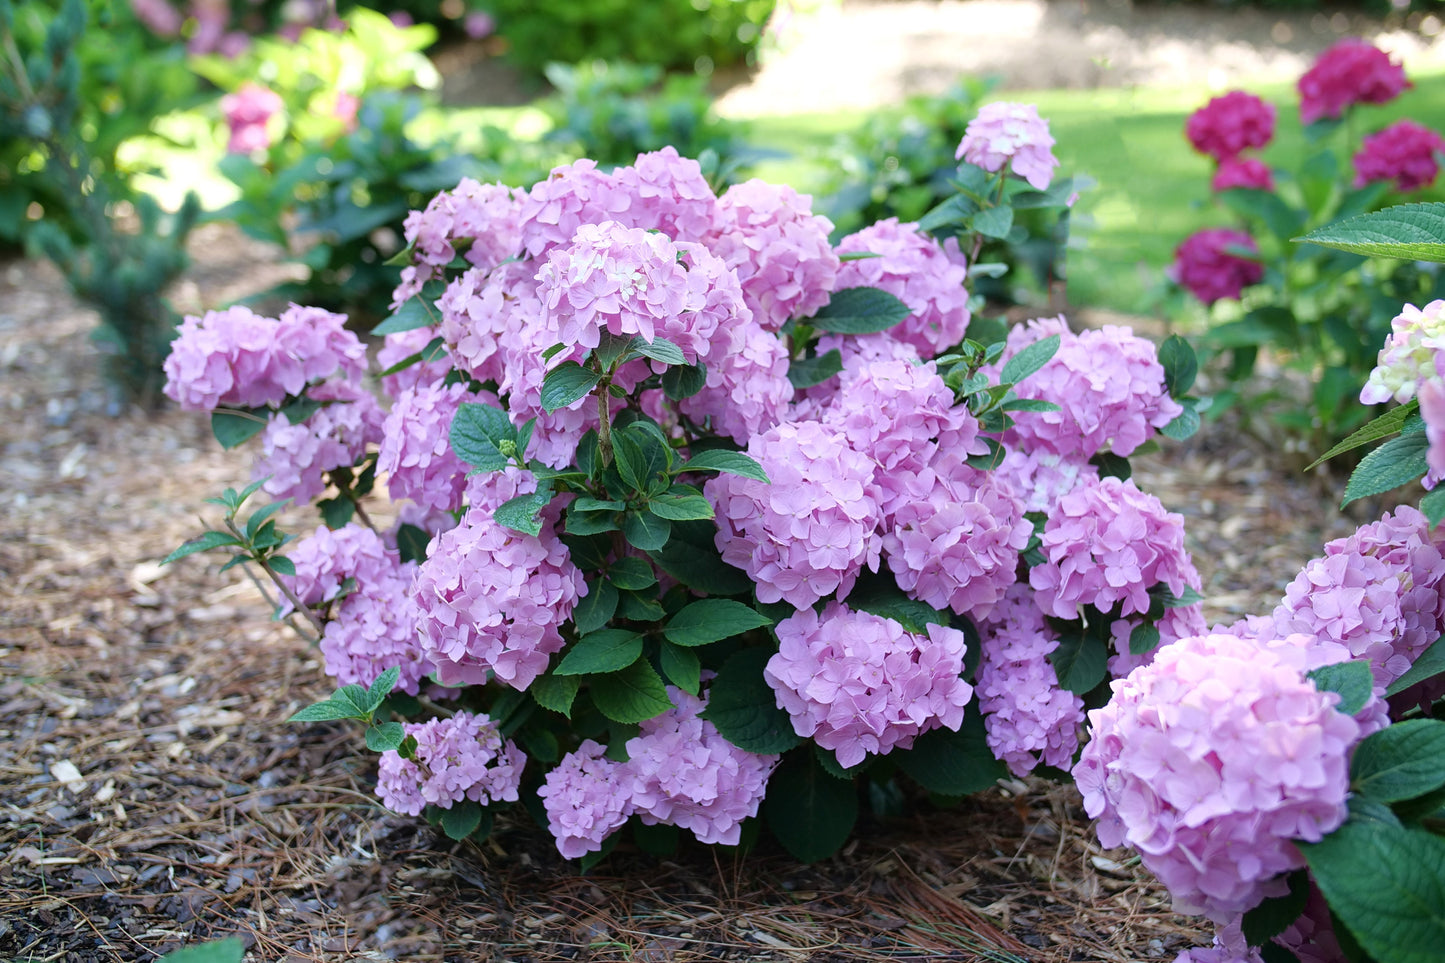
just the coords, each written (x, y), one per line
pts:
(1322, 311)
(695, 516)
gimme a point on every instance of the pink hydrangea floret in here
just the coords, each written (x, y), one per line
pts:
(1249, 173)
(295, 458)
(1408, 357)
(464, 757)
(1014, 135)
(587, 797)
(416, 453)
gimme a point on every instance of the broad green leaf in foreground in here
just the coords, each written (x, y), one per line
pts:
(1411, 232)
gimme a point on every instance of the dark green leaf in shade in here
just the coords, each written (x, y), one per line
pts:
(1183, 425)
(520, 513)
(829, 761)
(462, 819)
(384, 737)
(953, 211)
(477, 431)
(807, 372)
(1386, 882)
(720, 459)
(1432, 505)
(645, 531)
(710, 620)
(1029, 359)
(1180, 365)
(232, 427)
(1143, 640)
(411, 542)
(700, 569)
(1028, 404)
(281, 565)
(1274, 915)
(605, 650)
(659, 841)
(681, 666)
(684, 380)
(555, 692)
(631, 573)
(995, 222)
(414, 312)
(567, 384)
(952, 763)
(881, 596)
(328, 711)
(1352, 680)
(681, 503)
(810, 812)
(991, 460)
(336, 512)
(381, 687)
(591, 523)
(635, 694)
(1428, 664)
(1111, 465)
(743, 707)
(860, 311)
(611, 347)
(1401, 762)
(201, 543)
(596, 608)
(639, 608)
(1081, 660)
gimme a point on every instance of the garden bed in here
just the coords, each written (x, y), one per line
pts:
(153, 794)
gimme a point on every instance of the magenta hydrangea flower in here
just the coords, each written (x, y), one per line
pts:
(1407, 359)
(1230, 123)
(1212, 761)
(416, 452)
(1247, 172)
(1108, 543)
(248, 111)
(1405, 152)
(927, 276)
(493, 601)
(1353, 71)
(295, 458)
(1108, 385)
(953, 538)
(685, 774)
(808, 533)
(1204, 265)
(779, 249)
(1014, 135)
(463, 757)
(858, 683)
(587, 797)
(1028, 718)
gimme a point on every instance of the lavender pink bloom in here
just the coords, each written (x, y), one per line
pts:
(465, 757)
(1351, 72)
(1012, 135)
(248, 111)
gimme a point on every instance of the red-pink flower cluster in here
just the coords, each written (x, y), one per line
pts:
(1206, 267)
(1229, 124)
(1405, 152)
(1247, 172)
(1353, 71)
(248, 113)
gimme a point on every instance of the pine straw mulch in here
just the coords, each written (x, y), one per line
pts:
(151, 796)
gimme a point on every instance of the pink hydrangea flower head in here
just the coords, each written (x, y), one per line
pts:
(486, 216)
(747, 390)
(855, 352)
(953, 540)
(1211, 761)
(1405, 152)
(1204, 265)
(922, 273)
(1230, 123)
(769, 235)
(1246, 172)
(587, 797)
(1028, 718)
(669, 194)
(572, 195)
(248, 112)
(493, 601)
(858, 683)
(465, 757)
(1353, 71)
(295, 458)
(1041, 478)
(686, 774)
(1014, 135)
(416, 451)
(1108, 385)
(1408, 357)
(1108, 543)
(395, 348)
(1432, 410)
(807, 534)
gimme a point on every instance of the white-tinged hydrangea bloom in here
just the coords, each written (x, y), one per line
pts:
(1011, 134)
(294, 459)
(416, 451)
(686, 774)
(1211, 761)
(1107, 542)
(1108, 384)
(1417, 337)
(493, 601)
(587, 798)
(952, 537)
(858, 683)
(922, 273)
(1041, 478)
(810, 531)
(465, 757)
(1028, 718)
(779, 248)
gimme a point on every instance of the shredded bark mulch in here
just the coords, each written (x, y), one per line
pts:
(151, 795)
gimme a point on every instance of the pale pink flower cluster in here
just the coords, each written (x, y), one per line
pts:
(1107, 383)
(1108, 542)
(493, 601)
(396, 348)
(1408, 358)
(373, 628)
(294, 459)
(416, 453)
(1028, 718)
(1041, 478)
(858, 683)
(1014, 135)
(238, 359)
(679, 771)
(927, 276)
(1353, 71)
(747, 390)
(1211, 761)
(465, 757)
(486, 216)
